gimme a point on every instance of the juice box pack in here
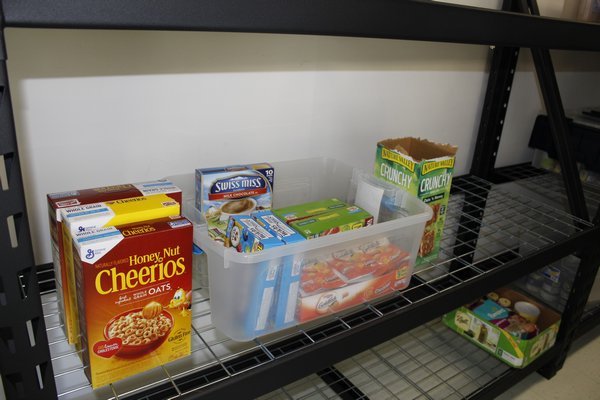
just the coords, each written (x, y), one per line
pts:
(57, 201)
(232, 190)
(424, 169)
(134, 287)
(247, 235)
(90, 216)
(289, 276)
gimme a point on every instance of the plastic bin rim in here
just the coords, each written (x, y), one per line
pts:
(230, 254)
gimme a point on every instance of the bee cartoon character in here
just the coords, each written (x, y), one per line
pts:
(181, 301)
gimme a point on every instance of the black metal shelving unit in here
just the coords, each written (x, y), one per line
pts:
(495, 236)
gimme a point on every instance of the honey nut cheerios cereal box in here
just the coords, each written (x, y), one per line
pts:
(96, 215)
(59, 200)
(134, 287)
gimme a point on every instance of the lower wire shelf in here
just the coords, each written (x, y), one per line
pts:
(492, 237)
(429, 362)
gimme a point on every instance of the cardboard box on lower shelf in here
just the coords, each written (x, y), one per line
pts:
(492, 327)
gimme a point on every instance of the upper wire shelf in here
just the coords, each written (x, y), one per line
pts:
(549, 187)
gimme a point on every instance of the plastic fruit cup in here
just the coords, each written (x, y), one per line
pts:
(527, 310)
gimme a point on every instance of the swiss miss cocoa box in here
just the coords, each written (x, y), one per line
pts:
(59, 200)
(232, 190)
(134, 286)
(424, 169)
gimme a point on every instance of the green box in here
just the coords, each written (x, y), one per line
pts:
(333, 222)
(517, 353)
(305, 210)
(424, 169)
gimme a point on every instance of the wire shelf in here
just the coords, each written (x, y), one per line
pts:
(486, 227)
(429, 362)
(548, 186)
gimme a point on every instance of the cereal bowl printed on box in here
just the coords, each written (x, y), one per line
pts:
(138, 335)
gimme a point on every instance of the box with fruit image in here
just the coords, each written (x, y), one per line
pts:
(494, 324)
(424, 169)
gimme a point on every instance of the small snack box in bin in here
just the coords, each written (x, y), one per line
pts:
(512, 326)
(336, 271)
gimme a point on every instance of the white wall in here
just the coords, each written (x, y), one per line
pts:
(97, 108)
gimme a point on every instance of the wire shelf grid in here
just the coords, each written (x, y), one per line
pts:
(550, 186)
(429, 362)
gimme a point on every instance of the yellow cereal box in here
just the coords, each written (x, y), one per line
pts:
(90, 216)
(134, 287)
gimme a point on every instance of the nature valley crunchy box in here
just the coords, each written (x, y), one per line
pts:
(134, 287)
(425, 169)
(59, 200)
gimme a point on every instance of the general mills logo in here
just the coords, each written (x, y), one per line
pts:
(90, 254)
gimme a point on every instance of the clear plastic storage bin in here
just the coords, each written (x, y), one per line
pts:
(252, 294)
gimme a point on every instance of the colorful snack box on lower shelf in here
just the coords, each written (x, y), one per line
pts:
(90, 216)
(59, 200)
(499, 325)
(134, 287)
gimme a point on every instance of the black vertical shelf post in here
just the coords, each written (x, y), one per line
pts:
(502, 71)
(590, 256)
(574, 309)
(25, 363)
(559, 128)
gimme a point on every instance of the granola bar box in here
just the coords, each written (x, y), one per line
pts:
(424, 169)
(59, 200)
(134, 286)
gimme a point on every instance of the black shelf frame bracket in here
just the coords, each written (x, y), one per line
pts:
(392, 19)
(559, 127)
(25, 363)
(495, 104)
(502, 71)
(575, 307)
